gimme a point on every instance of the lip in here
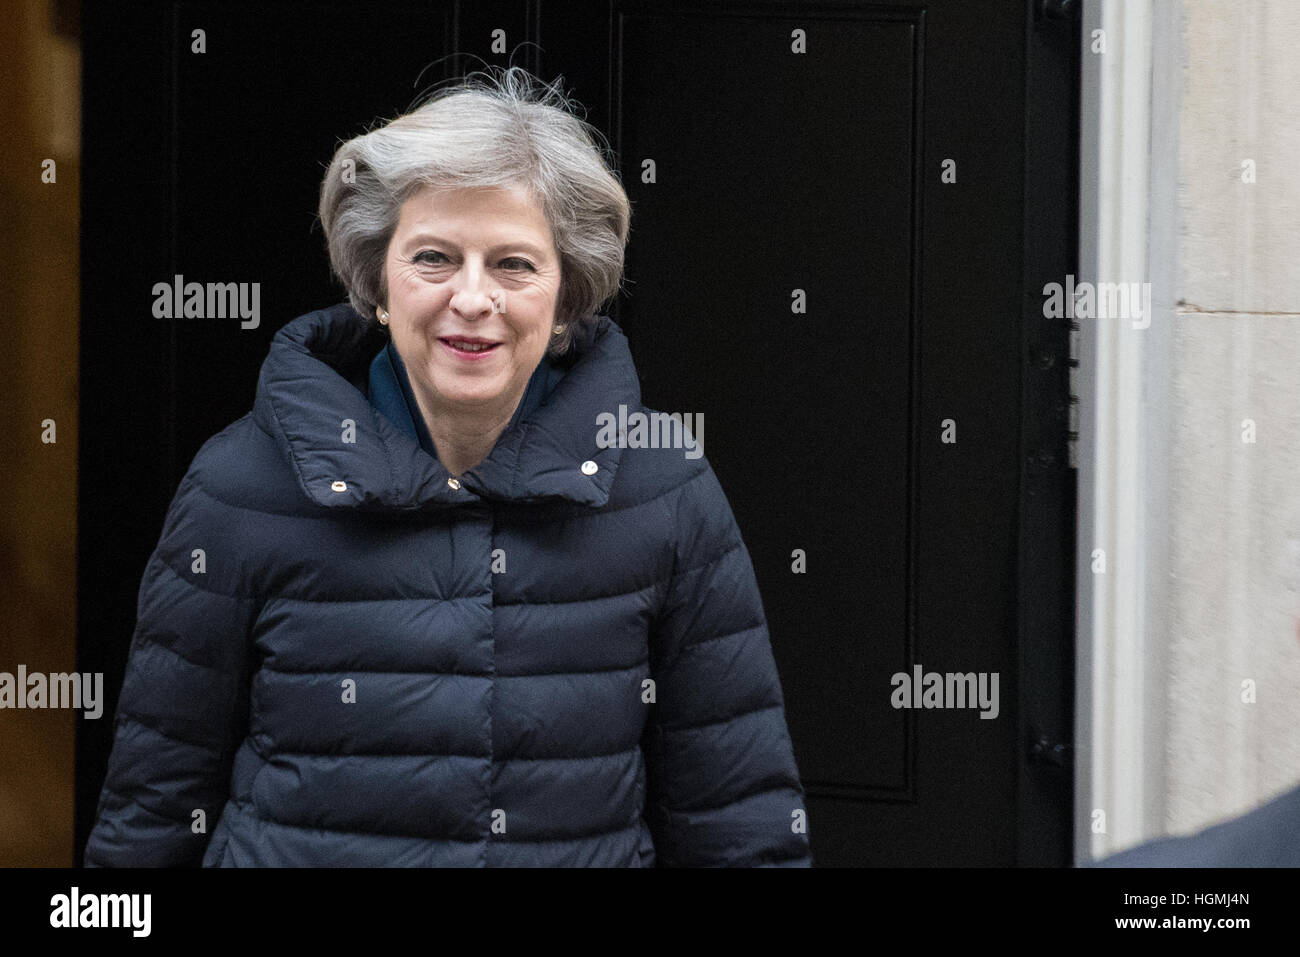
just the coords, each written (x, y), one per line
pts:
(446, 342)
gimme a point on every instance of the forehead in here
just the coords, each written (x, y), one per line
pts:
(480, 211)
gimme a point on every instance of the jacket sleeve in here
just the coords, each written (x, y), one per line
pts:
(183, 706)
(722, 784)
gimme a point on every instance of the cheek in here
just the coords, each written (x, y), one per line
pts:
(536, 335)
(419, 301)
(406, 284)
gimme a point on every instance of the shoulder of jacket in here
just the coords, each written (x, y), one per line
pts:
(215, 528)
(243, 468)
(667, 473)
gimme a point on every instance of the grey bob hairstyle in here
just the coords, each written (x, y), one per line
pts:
(494, 128)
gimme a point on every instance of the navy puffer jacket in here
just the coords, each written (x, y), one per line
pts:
(340, 659)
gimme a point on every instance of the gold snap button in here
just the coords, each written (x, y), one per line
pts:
(339, 486)
(453, 483)
(589, 467)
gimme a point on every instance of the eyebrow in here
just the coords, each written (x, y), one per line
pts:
(424, 237)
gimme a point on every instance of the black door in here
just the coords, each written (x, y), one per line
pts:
(843, 217)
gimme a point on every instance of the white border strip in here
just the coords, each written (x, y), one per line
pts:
(1111, 680)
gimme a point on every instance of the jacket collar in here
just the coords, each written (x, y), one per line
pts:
(314, 381)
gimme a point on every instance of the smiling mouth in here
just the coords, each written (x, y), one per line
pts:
(469, 345)
(469, 348)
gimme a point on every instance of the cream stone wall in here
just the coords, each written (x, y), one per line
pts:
(1229, 607)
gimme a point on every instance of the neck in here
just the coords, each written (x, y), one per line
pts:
(464, 437)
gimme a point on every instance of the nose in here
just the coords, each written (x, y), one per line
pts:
(475, 294)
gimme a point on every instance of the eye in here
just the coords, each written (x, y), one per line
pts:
(433, 257)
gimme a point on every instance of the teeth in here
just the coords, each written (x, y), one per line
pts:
(468, 347)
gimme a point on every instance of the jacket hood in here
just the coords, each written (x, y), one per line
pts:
(315, 379)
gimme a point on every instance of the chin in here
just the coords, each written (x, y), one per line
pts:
(454, 393)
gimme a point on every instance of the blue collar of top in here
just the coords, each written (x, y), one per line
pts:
(391, 395)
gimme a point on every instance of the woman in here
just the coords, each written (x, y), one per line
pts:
(409, 610)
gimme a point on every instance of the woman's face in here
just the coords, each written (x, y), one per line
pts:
(477, 264)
